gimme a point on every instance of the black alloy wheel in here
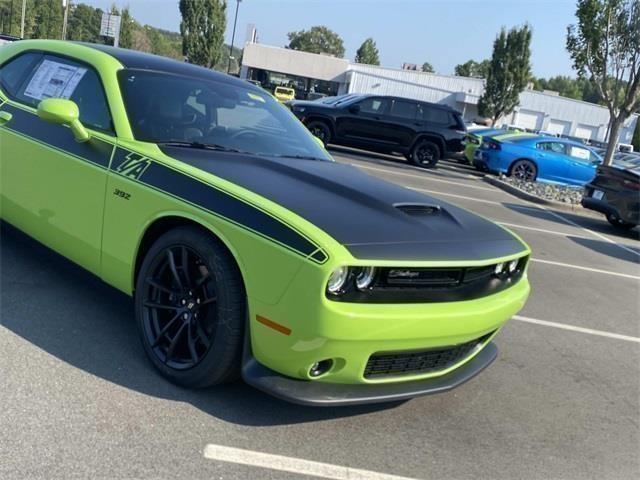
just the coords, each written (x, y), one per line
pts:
(425, 154)
(524, 170)
(320, 130)
(617, 222)
(190, 305)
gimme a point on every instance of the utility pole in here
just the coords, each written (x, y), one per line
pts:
(66, 4)
(24, 11)
(233, 36)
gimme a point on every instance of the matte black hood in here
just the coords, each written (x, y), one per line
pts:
(372, 218)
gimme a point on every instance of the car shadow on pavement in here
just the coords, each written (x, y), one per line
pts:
(72, 315)
(610, 249)
(596, 223)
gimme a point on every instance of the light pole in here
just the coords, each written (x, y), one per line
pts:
(65, 6)
(24, 9)
(233, 36)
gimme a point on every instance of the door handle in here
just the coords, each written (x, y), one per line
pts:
(5, 117)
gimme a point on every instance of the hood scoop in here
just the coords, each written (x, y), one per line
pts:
(418, 209)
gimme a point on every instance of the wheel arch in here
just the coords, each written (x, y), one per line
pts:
(161, 224)
(437, 139)
(318, 117)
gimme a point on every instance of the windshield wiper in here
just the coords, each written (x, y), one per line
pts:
(201, 146)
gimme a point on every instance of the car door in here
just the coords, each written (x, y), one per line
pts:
(364, 122)
(552, 160)
(403, 121)
(52, 186)
(582, 165)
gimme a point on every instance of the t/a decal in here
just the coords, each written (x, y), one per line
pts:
(133, 166)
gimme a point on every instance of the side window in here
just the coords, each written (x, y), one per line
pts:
(435, 115)
(373, 105)
(14, 72)
(404, 109)
(580, 154)
(57, 77)
(554, 147)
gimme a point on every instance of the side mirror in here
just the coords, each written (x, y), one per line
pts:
(355, 109)
(63, 112)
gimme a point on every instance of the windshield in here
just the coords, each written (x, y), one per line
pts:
(167, 108)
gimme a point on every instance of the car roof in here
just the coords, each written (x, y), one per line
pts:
(146, 61)
(392, 97)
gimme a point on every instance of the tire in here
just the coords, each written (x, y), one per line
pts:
(200, 309)
(425, 154)
(617, 222)
(321, 130)
(524, 170)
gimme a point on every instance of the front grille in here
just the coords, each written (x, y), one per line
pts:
(427, 361)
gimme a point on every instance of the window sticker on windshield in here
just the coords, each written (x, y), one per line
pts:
(578, 152)
(255, 97)
(54, 80)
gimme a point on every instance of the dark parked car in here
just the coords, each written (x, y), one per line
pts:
(615, 191)
(421, 131)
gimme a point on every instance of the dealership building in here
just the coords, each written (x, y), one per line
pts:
(312, 74)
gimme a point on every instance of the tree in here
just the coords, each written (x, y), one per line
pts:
(202, 28)
(471, 68)
(368, 53)
(565, 86)
(427, 68)
(127, 26)
(508, 73)
(317, 40)
(84, 24)
(605, 48)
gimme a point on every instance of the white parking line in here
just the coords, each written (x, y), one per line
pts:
(542, 230)
(292, 465)
(573, 328)
(435, 192)
(430, 178)
(588, 269)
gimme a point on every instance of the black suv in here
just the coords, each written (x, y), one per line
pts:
(421, 131)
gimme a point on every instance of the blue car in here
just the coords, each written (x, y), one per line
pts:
(539, 158)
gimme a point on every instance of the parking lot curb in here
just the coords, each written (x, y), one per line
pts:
(515, 191)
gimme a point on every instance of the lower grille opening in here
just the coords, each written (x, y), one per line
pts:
(382, 365)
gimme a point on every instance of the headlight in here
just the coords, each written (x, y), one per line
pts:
(337, 280)
(365, 277)
(499, 268)
(513, 265)
(299, 109)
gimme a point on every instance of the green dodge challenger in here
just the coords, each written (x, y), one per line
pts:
(247, 250)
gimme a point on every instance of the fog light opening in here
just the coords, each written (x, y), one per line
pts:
(320, 368)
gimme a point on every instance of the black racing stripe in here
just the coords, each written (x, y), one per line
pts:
(96, 151)
(220, 203)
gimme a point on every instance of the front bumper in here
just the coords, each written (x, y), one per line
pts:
(312, 393)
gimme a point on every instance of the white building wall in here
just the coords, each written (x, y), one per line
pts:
(294, 62)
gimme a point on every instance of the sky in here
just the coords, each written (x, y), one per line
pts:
(441, 32)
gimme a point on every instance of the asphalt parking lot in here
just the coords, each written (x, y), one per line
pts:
(80, 400)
